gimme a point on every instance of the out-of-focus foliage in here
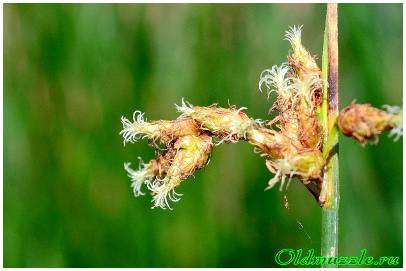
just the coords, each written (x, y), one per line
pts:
(71, 71)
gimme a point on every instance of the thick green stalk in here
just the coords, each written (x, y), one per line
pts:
(330, 190)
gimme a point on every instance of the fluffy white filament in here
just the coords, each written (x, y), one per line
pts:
(275, 80)
(397, 131)
(294, 36)
(186, 109)
(132, 131)
(164, 191)
(138, 177)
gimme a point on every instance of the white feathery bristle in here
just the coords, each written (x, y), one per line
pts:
(163, 190)
(186, 109)
(283, 169)
(397, 131)
(294, 36)
(138, 177)
(259, 122)
(392, 109)
(273, 181)
(131, 132)
(275, 80)
(241, 109)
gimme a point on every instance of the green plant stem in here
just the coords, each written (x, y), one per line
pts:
(330, 190)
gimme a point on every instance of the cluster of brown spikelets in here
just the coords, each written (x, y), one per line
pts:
(290, 143)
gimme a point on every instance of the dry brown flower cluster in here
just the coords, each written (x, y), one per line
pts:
(291, 143)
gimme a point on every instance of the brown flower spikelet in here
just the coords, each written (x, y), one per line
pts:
(160, 131)
(299, 94)
(270, 143)
(310, 86)
(300, 60)
(228, 124)
(364, 122)
(190, 154)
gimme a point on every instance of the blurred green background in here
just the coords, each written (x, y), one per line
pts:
(71, 71)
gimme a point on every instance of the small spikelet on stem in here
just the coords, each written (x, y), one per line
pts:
(270, 143)
(229, 124)
(301, 60)
(364, 122)
(183, 157)
(163, 131)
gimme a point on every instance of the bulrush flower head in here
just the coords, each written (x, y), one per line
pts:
(162, 175)
(229, 124)
(292, 150)
(192, 153)
(301, 60)
(364, 123)
(299, 94)
(162, 131)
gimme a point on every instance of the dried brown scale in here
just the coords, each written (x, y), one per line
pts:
(287, 122)
(171, 130)
(271, 143)
(162, 175)
(191, 153)
(309, 131)
(317, 97)
(162, 163)
(300, 124)
(284, 157)
(304, 65)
